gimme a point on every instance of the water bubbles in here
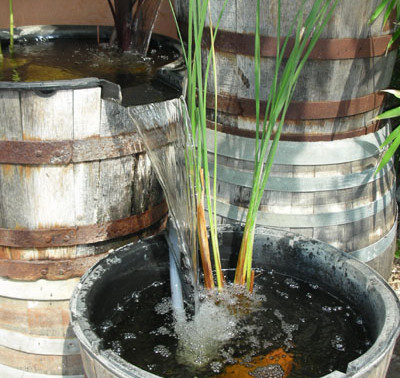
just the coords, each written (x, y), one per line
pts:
(327, 309)
(162, 350)
(164, 307)
(105, 326)
(270, 371)
(216, 367)
(129, 336)
(291, 283)
(116, 346)
(338, 343)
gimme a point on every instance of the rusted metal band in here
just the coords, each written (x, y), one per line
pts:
(28, 270)
(69, 151)
(300, 137)
(47, 269)
(300, 110)
(325, 49)
(69, 236)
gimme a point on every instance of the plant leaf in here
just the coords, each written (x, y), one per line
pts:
(379, 9)
(394, 92)
(395, 112)
(388, 154)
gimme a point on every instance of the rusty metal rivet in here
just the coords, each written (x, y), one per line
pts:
(48, 239)
(43, 272)
(57, 153)
(61, 272)
(38, 153)
(66, 238)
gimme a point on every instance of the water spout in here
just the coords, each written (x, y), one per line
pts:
(134, 22)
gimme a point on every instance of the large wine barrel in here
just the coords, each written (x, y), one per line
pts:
(322, 183)
(75, 183)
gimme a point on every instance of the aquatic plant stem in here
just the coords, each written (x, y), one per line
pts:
(203, 242)
(11, 47)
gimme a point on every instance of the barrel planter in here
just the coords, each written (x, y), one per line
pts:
(75, 182)
(322, 183)
(111, 279)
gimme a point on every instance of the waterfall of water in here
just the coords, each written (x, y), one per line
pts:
(134, 22)
(165, 132)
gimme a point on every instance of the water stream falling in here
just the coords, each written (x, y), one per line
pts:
(134, 22)
(165, 132)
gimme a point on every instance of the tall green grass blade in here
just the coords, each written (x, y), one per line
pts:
(389, 10)
(379, 9)
(389, 153)
(395, 112)
(11, 46)
(391, 137)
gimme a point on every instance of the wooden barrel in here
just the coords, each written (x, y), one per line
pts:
(74, 183)
(332, 197)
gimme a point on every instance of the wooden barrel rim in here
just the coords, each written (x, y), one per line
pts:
(300, 110)
(94, 233)
(325, 48)
(69, 151)
(303, 137)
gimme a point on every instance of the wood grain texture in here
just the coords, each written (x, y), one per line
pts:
(36, 287)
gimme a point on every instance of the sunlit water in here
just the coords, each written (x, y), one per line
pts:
(287, 321)
(67, 59)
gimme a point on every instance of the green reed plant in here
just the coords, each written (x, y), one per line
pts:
(11, 46)
(197, 78)
(392, 142)
(387, 7)
(291, 55)
(307, 30)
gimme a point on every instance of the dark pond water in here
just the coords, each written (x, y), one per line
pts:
(287, 328)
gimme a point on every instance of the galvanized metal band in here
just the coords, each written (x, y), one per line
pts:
(301, 184)
(303, 153)
(38, 345)
(94, 233)
(40, 290)
(10, 372)
(307, 110)
(66, 152)
(325, 48)
(28, 270)
(303, 136)
(237, 213)
(376, 249)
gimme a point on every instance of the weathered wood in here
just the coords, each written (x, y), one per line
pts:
(111, 196)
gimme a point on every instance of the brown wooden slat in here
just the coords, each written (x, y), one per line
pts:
(45, 238)
(38, 318)
(44, 364)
